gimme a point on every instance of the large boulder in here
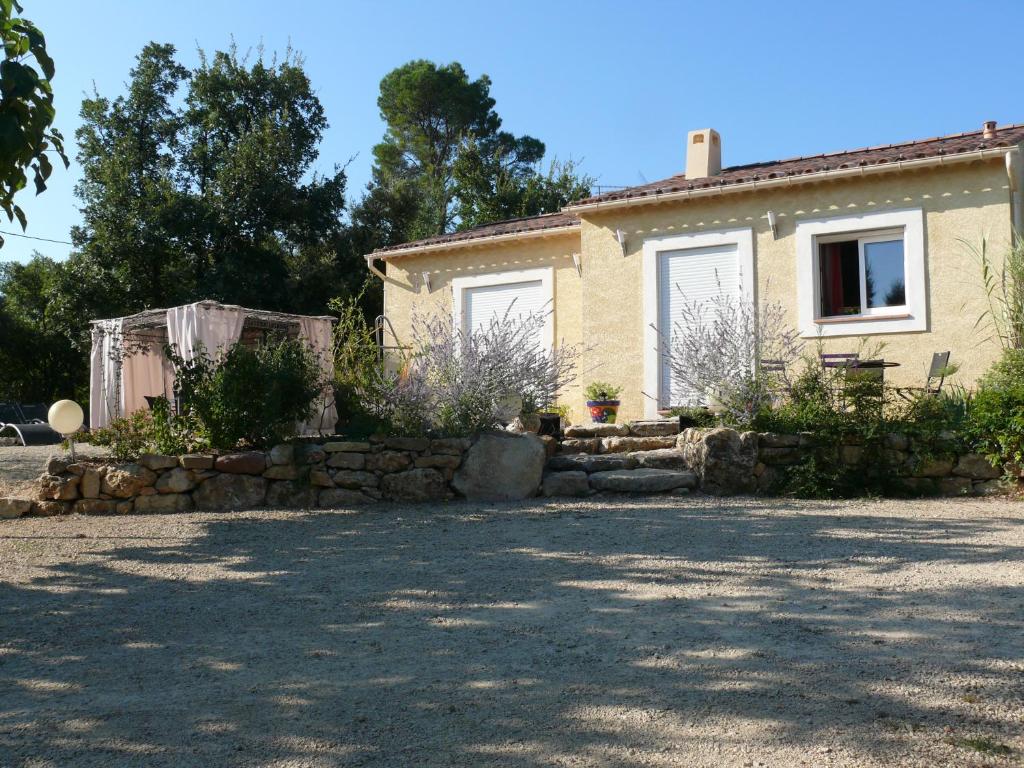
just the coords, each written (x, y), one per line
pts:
(723, 459)
(501, 466)
(413, 485)
(126, 480)
(229, 492)
(643, 480)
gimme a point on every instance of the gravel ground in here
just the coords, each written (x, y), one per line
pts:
(607, 632)
(20, 465)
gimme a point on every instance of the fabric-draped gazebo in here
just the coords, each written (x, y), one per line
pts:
(128, 363)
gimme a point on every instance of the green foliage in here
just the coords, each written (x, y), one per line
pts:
(996, 423)
(600, 390)
(253, 397)
(127, 437)
(26, 110)
(699, 415)
(1003, 282)
(444, 162)
(357, 368)
(37, 364)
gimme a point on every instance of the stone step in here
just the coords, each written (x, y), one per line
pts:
(643, 480)
(588, 462)
(660, 458)
(654, 427)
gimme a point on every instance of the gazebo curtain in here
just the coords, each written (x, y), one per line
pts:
(317, 331)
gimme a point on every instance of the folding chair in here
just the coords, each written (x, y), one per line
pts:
(933, 384)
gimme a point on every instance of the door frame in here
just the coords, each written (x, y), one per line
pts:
(743, 240)
(546, 276)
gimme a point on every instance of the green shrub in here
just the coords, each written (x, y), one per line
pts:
(600, 390)
(701, 416)
(995, 425)
(127, 437)
(253, 397)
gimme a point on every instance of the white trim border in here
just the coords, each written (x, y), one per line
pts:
(911, 221)
(742, 238)
(546, 275)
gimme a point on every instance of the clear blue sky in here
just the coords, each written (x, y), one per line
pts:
(614, 84)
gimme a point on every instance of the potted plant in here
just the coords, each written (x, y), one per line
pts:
(602, 400)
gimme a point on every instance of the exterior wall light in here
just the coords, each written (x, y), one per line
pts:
(773, 224)
(426, 280)
(621, 237)
(66, 417)
(576, 262)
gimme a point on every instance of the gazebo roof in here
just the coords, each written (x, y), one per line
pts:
(152, 319)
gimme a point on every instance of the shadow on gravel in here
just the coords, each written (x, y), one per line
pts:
(397, 637)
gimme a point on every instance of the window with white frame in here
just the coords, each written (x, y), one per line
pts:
(862, 274)
(479, 299)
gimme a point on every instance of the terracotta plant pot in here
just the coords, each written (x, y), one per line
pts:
(603, 411)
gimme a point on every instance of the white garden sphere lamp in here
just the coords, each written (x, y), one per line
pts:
(66, 417)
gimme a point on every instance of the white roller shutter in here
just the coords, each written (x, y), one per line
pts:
(484, 303)
(686, 276)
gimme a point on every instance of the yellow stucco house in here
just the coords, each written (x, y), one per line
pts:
(858, 244)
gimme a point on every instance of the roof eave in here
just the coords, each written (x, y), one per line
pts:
(784, 181)
(472, 241)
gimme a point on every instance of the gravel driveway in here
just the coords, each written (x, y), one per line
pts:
(666, 632)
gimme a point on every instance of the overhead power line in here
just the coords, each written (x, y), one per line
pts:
(32, 237)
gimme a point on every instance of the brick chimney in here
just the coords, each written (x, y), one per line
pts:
(703, 153)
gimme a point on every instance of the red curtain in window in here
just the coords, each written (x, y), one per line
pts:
(832, 285)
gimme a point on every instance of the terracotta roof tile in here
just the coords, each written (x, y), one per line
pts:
(508, 227)
(1006, 136)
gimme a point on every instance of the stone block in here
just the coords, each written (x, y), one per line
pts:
(722, 458)
(11, 507)
(654, 428)
(59, 487)
(632, 444)
(282, 454)
(348, 478)
(571, 483)
(416, 444)
(164, 504)
(196, 461)
(349, 460)
(450, 445)
(282, 472)
(931, 466)
(661, 458)
(50, 508)
(989, 488)
(775, 440)
(248, 463)
(976, 467)
(95, 507)
(918, 486)
(897, 442)
(388, 461)
(642, 480)
(591, 463)
(230, 492)
(850, 454)
(149, 490)
(954, 486)
(438, 461)
(596, 430)
(178, 480)
(580, 445)
(91, 483)
(157, 462)
(783, 455)
(342, 497)
(414, 485)
(57, 465)
(309, 453)
(321, 478)
(346, 446)
(290, 494)
(124, 507)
